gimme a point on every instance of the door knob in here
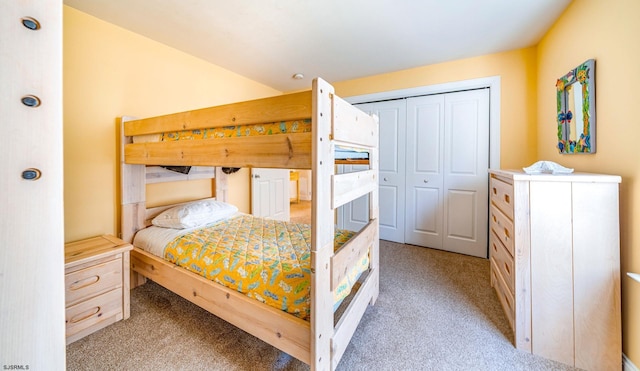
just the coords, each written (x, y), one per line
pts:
(385, 179)
(257, 176)
(426, 181)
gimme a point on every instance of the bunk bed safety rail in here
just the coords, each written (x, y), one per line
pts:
(289, 107)
(352, 126)
(291, 151)
(350, 253)
(349, 186)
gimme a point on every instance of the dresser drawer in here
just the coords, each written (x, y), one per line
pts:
(93, 280)
(503, 261)
(502, 227)
(505, 297)
(90, 315)
(502, 195)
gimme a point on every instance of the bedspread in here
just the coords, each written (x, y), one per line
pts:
(266, 259)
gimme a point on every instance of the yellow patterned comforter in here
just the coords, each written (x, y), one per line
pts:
(265, 259)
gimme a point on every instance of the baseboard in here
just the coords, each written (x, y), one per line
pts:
(627, 365)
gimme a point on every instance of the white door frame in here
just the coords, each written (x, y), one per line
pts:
(492, 82)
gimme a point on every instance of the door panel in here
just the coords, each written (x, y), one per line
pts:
(270, 193)
(426, 221)
(388, 201)
(461, 125)
(425, 134)
(392, 115)
(424, 178)
(466, 160)
(460, 224)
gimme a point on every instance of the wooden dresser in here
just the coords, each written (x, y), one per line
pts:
(555, 264)
(96, 284)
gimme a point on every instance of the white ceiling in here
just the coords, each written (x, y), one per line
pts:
(270, 40)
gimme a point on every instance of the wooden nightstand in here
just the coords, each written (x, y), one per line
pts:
(96, 284)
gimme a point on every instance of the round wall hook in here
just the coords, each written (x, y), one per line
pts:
(30, 101)
(31, 23)
(31, 174)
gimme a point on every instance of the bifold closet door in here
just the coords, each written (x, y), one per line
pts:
(392, 116)
(425, 171)
(446, 171)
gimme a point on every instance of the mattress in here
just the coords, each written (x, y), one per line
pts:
(265, 259)
(283, 127)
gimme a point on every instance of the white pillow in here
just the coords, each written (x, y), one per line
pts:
(194, 214)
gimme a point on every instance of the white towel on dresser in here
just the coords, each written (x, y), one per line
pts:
(547, 167)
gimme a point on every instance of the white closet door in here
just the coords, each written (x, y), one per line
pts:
(447, 162)
(466, 161)
(392, 116)
(425, 169)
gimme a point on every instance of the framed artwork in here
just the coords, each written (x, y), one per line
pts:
(576, 120)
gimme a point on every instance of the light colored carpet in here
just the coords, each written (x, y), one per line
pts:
(436, 311)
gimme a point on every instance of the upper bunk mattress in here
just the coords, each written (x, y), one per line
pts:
(268, 260)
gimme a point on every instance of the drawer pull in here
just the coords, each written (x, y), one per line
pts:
(495, 191)
(506, 268)
(506, 234)
(83, 316)
(79, 284)
(506, 199)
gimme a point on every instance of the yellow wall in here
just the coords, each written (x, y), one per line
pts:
(110, 72)
(606, 31)
(517, 70)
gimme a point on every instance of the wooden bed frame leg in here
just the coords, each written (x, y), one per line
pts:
(136, 279)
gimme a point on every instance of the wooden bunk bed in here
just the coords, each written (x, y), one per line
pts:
(321, 341)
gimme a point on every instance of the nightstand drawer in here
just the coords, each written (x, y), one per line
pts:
(93, 280)
(503, 261)
(93, 314)
(502, 227)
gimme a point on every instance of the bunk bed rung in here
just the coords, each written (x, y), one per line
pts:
(349, 186)
(351, 252)
(287, 107)
(351, 125)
